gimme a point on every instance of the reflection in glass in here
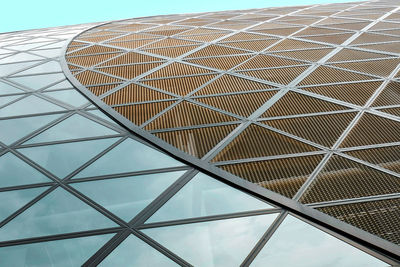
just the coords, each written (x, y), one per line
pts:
(71, 97)
(135, 252)
(127, 196)
(296, 243)
(62, 159)
(38, 81)
(29, 105)
(57, 213)
(49, 53)
(214, 243)
(60, 253)
(50, 66)
(129, 156)
(61, 85)
(14, 171)
(11, 201)
(14, 129)
(19, 57)
(205, 196)
(7, 69)
(73, 127)
(7, 99)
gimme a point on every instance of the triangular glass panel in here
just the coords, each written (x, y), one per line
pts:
(52, 215)
(299, 244)
(127, 196)
(49, 53)
(129, 156)
(62, 159)
(5, 88)
(64, 252)
(213, 243)
(14, 172)
(11, 201)
(205, 196)
(61, 85)
(135, 252)
(24, 47)
(29, 105)
(54, 45)
(38, 81)
(101, 115)
(73, 127)
(19, 57)
(50, 66)
(7, 99)
(71, 97)
(7, 69)
(14, 129)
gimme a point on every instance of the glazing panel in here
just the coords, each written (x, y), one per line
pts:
(127, 196)
(7, 69)
(49, 53)
(7, 99)
(8, 89)
(14, 129)
(205, 196)
(135, 252)
(57, 213)
(73, 127)
(23, 47)
(50, 66)
(61, 85)
(29, 105)
(62, 159)
(60, 253)
(38, 81)
(100, 114)
(11, 201)
(19, 57)
(129, 156)
(14, 171)
(215, 243)
(296, 243)
(71, 97)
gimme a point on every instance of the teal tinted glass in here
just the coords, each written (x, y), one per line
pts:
(14, 171)
(61, 159)
(71, 97)
(127, 196)
(60, 253)
(135, 252)
(11, 201)
(50, 66)
(61, 85)
(214, 243)
(73, 127)
(101, 115)
(49, 53)
(296, 243)
(29, 105)
(7, 99)
(5, 88)
(19, 57)
(129, 156)
(14, 129)
(7, 69)
(57, 213)
(205, 196)
(38, 81)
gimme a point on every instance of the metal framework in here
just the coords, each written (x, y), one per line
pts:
(17, 44)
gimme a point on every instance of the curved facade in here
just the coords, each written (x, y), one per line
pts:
(221, 139)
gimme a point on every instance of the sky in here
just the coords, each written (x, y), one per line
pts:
(34, 14)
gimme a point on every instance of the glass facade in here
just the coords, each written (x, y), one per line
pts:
(78, 187)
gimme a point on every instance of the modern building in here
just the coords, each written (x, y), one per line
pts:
(264, 137)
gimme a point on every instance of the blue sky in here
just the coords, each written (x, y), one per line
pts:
(30, 14)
